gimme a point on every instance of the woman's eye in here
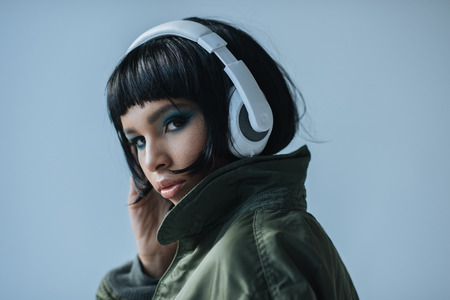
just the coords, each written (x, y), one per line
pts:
(176, 123)
(138, 142)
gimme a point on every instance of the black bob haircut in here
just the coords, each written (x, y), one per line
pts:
(173, 67)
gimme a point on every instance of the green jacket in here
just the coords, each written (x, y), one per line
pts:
(243, 233)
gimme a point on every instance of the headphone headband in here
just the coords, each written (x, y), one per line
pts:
(259, 111)
(187, 29)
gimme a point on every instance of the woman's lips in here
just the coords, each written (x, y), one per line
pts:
(169, 189)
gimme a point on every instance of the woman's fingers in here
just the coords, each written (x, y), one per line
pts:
(133, 194)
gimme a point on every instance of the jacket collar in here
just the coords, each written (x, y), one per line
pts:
(229, 186)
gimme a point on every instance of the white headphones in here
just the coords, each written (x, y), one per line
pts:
(250, 116)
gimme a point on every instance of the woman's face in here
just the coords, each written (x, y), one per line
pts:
(167, 138)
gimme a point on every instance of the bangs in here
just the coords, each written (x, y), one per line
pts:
(168, 67)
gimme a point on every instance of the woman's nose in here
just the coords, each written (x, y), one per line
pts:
(156, 157)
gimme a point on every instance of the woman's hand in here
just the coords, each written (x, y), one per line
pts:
(146, 216)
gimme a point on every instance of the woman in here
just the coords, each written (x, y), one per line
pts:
(215, 214)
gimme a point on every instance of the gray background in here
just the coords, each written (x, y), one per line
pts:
(375, 75)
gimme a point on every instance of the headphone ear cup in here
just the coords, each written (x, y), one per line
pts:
(244, 140)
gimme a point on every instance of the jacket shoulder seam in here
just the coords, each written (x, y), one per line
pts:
(262, 253)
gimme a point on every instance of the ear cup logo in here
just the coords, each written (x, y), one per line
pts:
(247, 129)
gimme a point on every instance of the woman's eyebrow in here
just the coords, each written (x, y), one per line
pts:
(155, 116)
(129, 131)
(163, 110)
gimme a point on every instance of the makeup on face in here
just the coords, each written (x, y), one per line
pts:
(168, 136)
(170, 119)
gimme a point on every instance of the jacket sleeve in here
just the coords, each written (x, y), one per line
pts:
(127, 282)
